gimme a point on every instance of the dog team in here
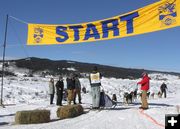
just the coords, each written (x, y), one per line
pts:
(131, 97)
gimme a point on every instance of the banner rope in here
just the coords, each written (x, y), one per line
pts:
(20, 41)
(19, 20)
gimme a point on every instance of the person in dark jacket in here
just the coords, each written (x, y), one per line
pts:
(163, 89)
(70, 88)
(51, 90)
(77, 90)
(59, 91)
(95, 82)
(145, 82)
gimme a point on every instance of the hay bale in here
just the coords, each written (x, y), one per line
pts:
(69, 111)
(32, 116)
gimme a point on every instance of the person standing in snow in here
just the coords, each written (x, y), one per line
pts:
(95, 82)
(51, 90)
(145, 82)
(70, 88)
(163, 89)
(77, 89)
(59, 91)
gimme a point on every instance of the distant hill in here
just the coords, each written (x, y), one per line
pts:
(67, 67)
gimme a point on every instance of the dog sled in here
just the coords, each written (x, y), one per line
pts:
(106, 101)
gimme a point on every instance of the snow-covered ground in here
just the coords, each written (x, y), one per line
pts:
(26, 93)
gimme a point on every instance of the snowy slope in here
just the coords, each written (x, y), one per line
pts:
(26, 93)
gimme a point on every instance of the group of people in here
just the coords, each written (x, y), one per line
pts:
(59, 90)
(74, 89)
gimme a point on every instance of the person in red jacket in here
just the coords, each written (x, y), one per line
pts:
(144, 88)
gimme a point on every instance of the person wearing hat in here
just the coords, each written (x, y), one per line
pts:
(95, 82)
(59, 91)
(145, 82)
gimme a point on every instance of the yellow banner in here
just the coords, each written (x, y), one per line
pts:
(158, 16)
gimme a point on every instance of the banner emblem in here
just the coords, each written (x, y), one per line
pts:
(167, 14)
(38, 34)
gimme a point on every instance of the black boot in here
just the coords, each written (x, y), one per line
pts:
(74, 102)
(80, 102)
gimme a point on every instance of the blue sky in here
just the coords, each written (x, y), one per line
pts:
(156, 51)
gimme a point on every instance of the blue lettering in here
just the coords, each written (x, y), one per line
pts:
(95, 34)
(106, 28)
(76, 31)
(60, 30)
(129, 18)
